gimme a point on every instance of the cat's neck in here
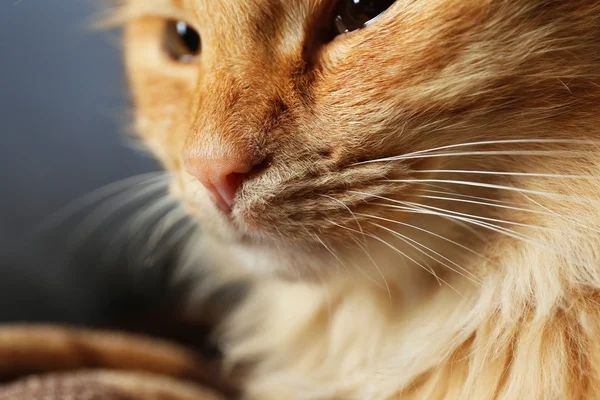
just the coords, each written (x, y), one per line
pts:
(351, 339)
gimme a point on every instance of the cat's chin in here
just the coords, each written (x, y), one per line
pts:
(291, 261)
(268, 252)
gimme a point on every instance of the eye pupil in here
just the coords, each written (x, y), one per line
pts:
(182, 42)
(355, 14)
(189, 37)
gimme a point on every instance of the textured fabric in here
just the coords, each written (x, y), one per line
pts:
(50, 363)
(60, 388)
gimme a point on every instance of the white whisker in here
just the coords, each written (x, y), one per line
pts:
(493, 186)
(486, 225)
(363, 247)
(484, 143)
(167, 222)
(347, 208)
(416, 245)
(521, 174)
(177, 236)
(116, 203)
(331, 251)
(439, 187)
(132, 226)
(368, 254)
(478, 217)
(95, 196)
(563, 217)
(482, 203)
(464, 196)
(548, 213)
(429, 270)
(549, 153)
(452, 220)
(432, 234)
(137, 220)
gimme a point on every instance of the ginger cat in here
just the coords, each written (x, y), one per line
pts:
(414, 186)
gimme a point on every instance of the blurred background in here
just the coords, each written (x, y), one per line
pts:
(64, 112)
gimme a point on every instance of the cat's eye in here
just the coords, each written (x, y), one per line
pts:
(351, 15)
(181, 41)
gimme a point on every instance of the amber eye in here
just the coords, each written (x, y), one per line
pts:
(351, 15)
(181, 41)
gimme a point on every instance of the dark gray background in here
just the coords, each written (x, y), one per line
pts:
(63, 109)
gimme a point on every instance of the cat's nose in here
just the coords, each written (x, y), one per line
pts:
(221, 176)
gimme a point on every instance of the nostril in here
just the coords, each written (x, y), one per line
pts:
(221, 176)
(229, 187)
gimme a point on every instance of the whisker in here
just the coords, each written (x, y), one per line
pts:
(114, 204)
(133, 224)
(298, 276)
(419, 209)
(431, 271)
(478, 217)
(363, 247)
(549, 153)
(486, 225)
(512, 141)
(548, 213)
(176, 238)
(563, 217)
(440, 187)
(347, 208)
(385, 282)
(331, 251)
(433, 234)
(482, 203)
(414, 206)
(151, 243)
(483, 143)
(318, 239)
(95, 196)
(454, 221)
(472, 277)
(413, 243)
(455, 194)
(136, 221)
(188, 258)
(167, 222)
(521, 174)
(493, 186)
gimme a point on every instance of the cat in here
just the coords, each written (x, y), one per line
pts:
(411, 186)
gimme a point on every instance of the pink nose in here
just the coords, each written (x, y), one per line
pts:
(222, 177)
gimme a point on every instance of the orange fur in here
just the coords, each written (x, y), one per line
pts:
(495, 299)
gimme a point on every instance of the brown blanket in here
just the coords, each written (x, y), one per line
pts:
(51, 363)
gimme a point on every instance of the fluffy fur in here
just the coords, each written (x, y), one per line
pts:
(426, 206)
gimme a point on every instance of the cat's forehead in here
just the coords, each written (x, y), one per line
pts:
(229, 26)
(235, 10)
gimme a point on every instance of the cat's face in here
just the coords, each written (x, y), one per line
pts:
(272, 122)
